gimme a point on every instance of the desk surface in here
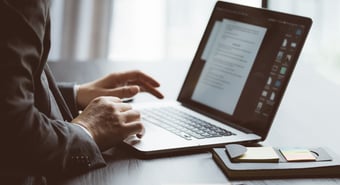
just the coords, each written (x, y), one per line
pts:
(307, 117)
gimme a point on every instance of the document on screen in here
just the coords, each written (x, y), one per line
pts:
(229, 55)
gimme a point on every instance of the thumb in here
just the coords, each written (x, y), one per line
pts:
(125, 91)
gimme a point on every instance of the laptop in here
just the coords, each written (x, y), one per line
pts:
(234, 85)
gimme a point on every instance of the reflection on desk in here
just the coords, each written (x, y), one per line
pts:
(307, 117)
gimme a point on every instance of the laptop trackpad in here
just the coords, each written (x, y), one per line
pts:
(156, 138)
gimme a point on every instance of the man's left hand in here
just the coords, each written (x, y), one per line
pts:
(121, 85)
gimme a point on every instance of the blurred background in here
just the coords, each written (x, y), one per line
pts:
(170, 30)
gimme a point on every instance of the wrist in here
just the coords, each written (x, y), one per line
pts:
(84, 128)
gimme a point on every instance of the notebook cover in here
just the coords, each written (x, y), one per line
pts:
(276, 170)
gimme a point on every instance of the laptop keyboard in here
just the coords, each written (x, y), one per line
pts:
(182, 124)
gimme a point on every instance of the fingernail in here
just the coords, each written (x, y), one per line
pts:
(140, 135)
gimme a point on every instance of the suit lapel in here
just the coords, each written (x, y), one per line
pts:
(65, 111)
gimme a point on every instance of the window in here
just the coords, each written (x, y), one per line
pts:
(154, 30)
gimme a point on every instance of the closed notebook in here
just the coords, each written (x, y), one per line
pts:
(326, 165)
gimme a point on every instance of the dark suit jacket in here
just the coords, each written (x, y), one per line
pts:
(36, 136)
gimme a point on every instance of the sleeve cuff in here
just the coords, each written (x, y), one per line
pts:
(75, 92)
(85, 130)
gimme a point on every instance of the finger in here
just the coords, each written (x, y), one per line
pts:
(123, 107)
(153, 91)
(141, 134)
(137, 76)
(130, 116)
(113, 99)
(134, 128)
(145, 87)
(125, 91)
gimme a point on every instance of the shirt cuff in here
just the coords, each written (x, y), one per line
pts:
(82, 127)
(75, 92)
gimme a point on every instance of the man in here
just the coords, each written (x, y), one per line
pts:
(42, 136)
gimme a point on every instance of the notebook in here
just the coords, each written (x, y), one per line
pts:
(234, 85)
(326, 163)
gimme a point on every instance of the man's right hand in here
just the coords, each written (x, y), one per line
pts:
(110, 121)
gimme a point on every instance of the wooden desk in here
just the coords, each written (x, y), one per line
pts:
(307, 117)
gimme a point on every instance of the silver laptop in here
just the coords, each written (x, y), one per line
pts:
(234, 85)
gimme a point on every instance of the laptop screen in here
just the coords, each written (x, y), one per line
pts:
(243, 65)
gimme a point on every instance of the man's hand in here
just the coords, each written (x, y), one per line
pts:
(110, 121)
(122, 85)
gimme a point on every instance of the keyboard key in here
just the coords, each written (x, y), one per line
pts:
(182, 124)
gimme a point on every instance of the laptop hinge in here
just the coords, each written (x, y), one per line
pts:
(245, 130)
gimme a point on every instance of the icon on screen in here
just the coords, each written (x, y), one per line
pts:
(298, 31)
(272, 96)
(284, 43)
(275, 68)
(264, 93)
(259, 107)
(287, 59)
(279, 56)
(269, 81)
(277, 83)
(283, 70)
(293, 44)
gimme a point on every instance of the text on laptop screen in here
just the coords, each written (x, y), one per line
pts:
(229, 55)
(243, 65)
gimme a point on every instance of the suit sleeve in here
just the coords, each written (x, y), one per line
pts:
(31, 142)
(69, 92)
